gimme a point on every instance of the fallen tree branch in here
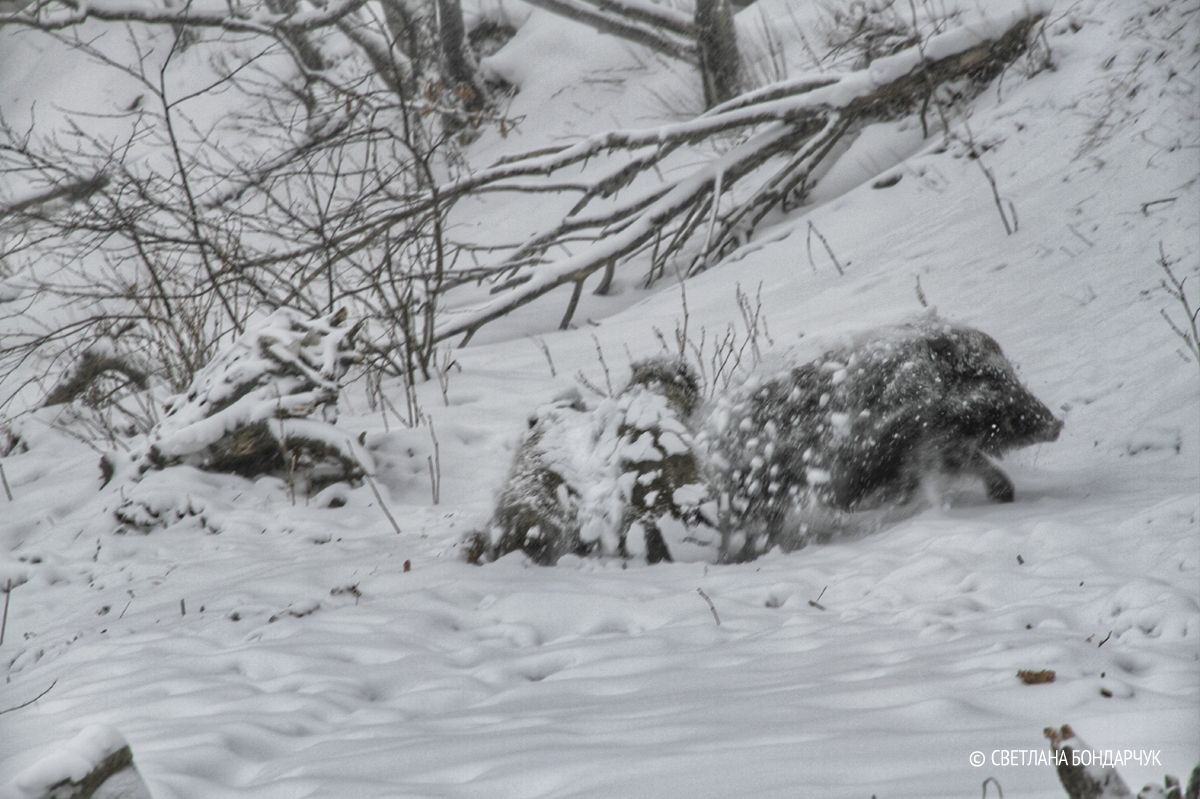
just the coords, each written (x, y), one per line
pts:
(93, 365)
(808, 117)
(685, 195)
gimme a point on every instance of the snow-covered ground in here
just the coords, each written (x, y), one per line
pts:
(267, 646)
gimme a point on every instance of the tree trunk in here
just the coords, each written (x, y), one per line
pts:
(412, 27)
(431, 35)
(306, 50)
(458, 64)
(720, 61)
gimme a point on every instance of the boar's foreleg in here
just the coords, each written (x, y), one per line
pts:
(971, 461)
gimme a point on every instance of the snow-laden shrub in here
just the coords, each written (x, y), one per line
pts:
(538, 511)
(664, 496)
(619, 479)
(266, 404)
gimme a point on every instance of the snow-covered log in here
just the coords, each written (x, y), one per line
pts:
(265, 405)
(96, 762)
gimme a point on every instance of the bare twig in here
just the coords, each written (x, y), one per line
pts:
(976, 154)
(1146, 206)
(812, 230)
(127, 604)
(711, 606)
(608, 390)
(921, 293)
(545, 348)
(375, 490)
(49, 688)
(435, 464)
(382, 504)
(442, 367)
(8, 587)
(1188, 332)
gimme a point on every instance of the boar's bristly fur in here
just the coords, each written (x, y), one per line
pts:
(860, 426)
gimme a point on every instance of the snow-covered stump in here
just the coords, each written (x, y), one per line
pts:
(617, 480)
(95, 763)
(1091, 781)
(266, 404)
(1086, 774)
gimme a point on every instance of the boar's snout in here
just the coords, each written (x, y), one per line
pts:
(1050, 430)
(1040, 423)
(1018, 420)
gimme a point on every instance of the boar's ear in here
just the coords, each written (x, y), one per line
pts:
(946, 352)
(989, 344)
(967, 352)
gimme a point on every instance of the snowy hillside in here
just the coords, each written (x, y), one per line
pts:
(248, 640)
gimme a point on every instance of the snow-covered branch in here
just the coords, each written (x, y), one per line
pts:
(677, 22)
(66, 13)
(687, 194)
(67, 191)
(802, 119)
(642, 26)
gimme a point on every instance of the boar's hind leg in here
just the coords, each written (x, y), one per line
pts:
(999, 487)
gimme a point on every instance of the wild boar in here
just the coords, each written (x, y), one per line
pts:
(862, 424)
